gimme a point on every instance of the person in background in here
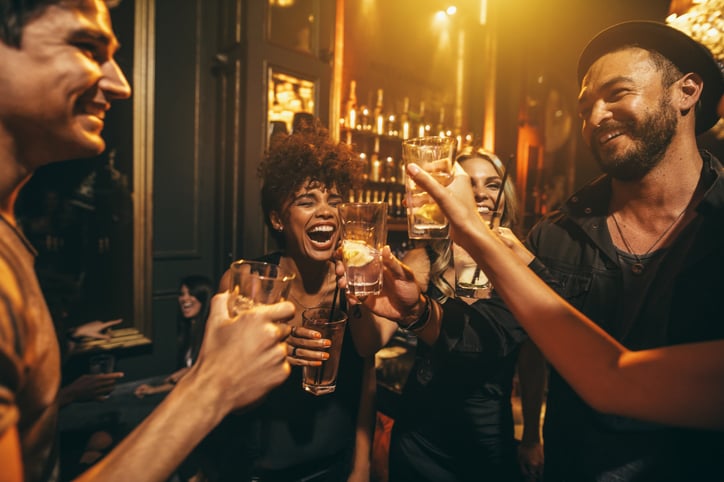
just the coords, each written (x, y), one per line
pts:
(465, 375)
(293, 435)
(58, 79)
(194, 301)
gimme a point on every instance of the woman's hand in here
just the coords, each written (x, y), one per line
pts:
(306, 347)
(98, 330)
(400, 293)
(512, 241)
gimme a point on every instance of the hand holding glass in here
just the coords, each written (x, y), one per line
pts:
(364, 233)
(323, 379)
(435, 155)
(256, 283)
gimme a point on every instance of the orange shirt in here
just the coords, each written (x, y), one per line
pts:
(29, 357)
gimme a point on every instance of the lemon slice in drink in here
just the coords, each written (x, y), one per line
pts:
(356, 253)
(430, 213)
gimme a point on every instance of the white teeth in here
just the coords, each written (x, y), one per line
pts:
(320, 229)
(483, 209)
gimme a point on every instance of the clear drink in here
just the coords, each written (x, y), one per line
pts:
(366, 279)
(364, 233)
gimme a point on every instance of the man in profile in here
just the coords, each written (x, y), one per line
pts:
(639, 250)
(58, 77)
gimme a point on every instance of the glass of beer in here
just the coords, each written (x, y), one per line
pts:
(331, 324)
(435, 155)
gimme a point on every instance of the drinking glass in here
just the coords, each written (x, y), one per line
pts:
(470, 280)
(323, 379)
(364, 233)
(256, 283)
(435, 155)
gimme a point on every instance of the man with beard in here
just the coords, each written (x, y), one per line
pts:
(639, 250)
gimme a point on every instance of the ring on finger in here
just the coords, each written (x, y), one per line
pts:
(294, 331)
(294, 351)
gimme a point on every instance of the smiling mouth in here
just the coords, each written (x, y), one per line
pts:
(483, 209)
(321, 234)
(609, 136)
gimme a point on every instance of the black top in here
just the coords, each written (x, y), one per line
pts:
(291, 433)
(456, 402)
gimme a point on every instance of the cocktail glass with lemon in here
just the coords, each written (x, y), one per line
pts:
(364, 233)
(435, 155)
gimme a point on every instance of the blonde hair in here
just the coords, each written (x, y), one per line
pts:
(443, 248)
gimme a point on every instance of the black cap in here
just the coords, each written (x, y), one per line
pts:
(683, 51)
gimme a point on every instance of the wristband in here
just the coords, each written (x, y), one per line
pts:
(424, 316)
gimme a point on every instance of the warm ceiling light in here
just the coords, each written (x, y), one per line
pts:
(451, 10)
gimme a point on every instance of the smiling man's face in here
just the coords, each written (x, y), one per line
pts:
(61, 83)
(628, 120)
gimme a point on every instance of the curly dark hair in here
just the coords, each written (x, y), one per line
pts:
(15, 14)
(306, 158)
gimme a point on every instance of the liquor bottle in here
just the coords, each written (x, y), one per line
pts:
(405, 119)
(379, 117)
(352, 105)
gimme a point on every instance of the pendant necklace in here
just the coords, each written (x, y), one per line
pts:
(638, 267)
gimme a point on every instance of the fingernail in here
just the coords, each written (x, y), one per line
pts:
(327, 343)
(413, 168)
(325, 356)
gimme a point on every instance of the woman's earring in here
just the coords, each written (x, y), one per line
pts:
(280, 228)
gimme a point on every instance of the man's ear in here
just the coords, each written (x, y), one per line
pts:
(690, 87)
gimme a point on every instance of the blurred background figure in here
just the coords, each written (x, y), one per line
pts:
(194, 300)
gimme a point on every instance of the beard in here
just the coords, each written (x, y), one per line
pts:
(652, 137)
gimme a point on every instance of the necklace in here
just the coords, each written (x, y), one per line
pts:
(638, 267)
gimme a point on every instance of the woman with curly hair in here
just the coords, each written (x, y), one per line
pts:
(294, 435)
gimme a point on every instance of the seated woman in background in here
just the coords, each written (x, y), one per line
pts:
(293, 435)
(457, 424)
(194, 301)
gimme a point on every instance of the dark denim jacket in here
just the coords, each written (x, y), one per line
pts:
(681, 305)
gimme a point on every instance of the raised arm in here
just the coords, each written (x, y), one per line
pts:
(595, 364)
(240, 361)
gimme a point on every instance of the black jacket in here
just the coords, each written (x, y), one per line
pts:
(678, 304)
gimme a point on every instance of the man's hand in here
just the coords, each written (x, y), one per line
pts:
(456, 201)
(400, 294)
(242, 359)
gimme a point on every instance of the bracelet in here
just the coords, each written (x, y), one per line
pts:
(424, 316)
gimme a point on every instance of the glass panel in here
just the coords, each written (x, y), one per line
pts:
(293, 24)
(291, 99)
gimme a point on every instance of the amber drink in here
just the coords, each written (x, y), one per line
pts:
(323, 379)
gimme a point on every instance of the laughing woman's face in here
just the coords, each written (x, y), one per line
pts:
(310, 222)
